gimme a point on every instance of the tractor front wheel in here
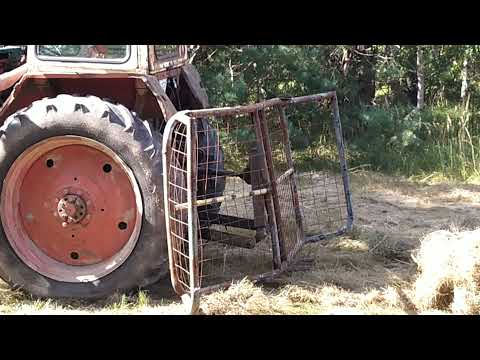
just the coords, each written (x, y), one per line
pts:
(81, 202)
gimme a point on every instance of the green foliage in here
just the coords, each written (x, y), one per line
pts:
(377, 89)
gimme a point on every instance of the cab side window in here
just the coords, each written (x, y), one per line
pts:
(166, 51)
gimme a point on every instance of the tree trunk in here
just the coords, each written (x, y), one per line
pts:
(420, 79)
(367, 74)
(346, 60)
(464, 90)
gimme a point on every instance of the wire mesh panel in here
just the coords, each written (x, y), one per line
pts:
(284, 186)
(241, 198)
(179, 209)
(232, 188)
(311, 176)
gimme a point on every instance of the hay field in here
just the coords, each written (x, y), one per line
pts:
(414, 250)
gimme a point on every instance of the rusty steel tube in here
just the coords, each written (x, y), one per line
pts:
(225, 111)
(343, 162)
(277, 261)
(294, 184)
(271, 174)
(220, 199)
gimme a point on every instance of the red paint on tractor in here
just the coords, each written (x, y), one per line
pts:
(120, 88)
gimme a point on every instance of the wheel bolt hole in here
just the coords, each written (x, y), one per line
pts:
(81, 214)
(122, 225)
(49, 163)
(107, 168)
(74, 255)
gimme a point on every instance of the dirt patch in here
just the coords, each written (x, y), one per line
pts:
(408, 211)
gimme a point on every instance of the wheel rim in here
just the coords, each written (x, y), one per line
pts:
(71, 209)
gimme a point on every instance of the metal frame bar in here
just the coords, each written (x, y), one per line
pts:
(222, 198)
(295, 187)
(260, 117)
(237, 110)
(165, 157)
(343, 162)
(269, 196)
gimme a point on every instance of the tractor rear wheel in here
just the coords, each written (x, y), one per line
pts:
(82, 203)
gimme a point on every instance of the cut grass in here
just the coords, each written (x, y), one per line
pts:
(244, 298)
(368, 272)
(15, 302)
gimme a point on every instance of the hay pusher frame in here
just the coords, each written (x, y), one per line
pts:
(236, 204)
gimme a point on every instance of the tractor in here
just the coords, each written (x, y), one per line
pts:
(84, 210)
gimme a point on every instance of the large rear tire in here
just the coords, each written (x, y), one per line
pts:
(104, 160)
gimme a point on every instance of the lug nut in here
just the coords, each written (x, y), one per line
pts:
(71, 209)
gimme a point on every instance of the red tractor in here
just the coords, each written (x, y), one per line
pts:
(80, 163)
(91, 204)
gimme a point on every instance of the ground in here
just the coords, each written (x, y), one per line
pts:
(370, 271)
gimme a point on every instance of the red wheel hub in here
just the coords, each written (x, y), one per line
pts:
(71, 208)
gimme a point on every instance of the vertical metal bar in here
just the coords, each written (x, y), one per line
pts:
(294, 183)
(166, 150)
(277, 259)
(257, 182)
(277, 262)
(343, 162)
(192, 209)
(271, 174)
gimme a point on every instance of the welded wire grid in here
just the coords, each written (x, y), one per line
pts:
(283, 186)
(260, 193)
(231, 187)
(314, 154)
(323, 205)
(178, 217)
(234, 233)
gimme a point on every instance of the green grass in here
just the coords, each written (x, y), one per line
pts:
(442, 142)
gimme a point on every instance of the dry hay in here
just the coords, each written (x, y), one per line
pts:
(449, 272)
(242, 298)
(245, 298)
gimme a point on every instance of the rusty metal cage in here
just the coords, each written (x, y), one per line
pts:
(237, 202)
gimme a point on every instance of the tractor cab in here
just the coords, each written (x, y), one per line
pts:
(154, 80)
